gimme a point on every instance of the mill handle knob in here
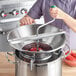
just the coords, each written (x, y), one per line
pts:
(14, 12)
(3, 14)
(23, 11)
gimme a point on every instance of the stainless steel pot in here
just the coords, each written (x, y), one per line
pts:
(49, 68)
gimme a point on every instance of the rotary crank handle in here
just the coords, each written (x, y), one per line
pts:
(15, 41)
(47, 22)
(65, 44)
(45, 25)
(52, 6)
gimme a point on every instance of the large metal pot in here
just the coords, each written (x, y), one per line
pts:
(46, 67)
(51, 67)
(37, 60)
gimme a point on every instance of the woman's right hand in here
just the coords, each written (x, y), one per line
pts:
(27, 20)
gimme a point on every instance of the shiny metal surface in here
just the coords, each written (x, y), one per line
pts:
(37, 36)
(56, 42)
(4, 45)
(53, 68)
(7, 6)
(10, 21)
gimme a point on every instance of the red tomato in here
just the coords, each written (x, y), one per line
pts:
(39, 48)
(71, 58)
(34, 49)
(70, 63)
(73, 54)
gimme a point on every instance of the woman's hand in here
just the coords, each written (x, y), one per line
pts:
(57, 13)
(27, 20)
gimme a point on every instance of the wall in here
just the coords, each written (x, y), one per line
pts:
(72, 40)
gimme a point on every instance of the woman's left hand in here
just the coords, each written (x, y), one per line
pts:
(57, 13)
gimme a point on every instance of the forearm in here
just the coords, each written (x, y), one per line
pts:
(60, 14)
(71, 22)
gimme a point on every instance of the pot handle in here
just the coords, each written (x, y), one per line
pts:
(32, 59)
(31, 64)
(63, 52)
(10, 61)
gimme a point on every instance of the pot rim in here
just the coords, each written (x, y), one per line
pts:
(53, 61)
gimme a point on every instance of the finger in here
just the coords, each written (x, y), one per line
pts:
(53, 10)
(28, 21)
(25, 22)
(22, 22)
(54, 15)
(31, 21)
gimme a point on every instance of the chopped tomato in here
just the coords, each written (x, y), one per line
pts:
(35, 49)
(71, 58)
(70, 63)
(73, 54)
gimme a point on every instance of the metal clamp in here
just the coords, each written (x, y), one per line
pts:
(63, 51)
(10, 61)
(26, 56)
(32, 59)
(31, 63)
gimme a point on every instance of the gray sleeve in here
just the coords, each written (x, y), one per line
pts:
(36, 11)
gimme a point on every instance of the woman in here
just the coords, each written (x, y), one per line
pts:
(65, 13)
